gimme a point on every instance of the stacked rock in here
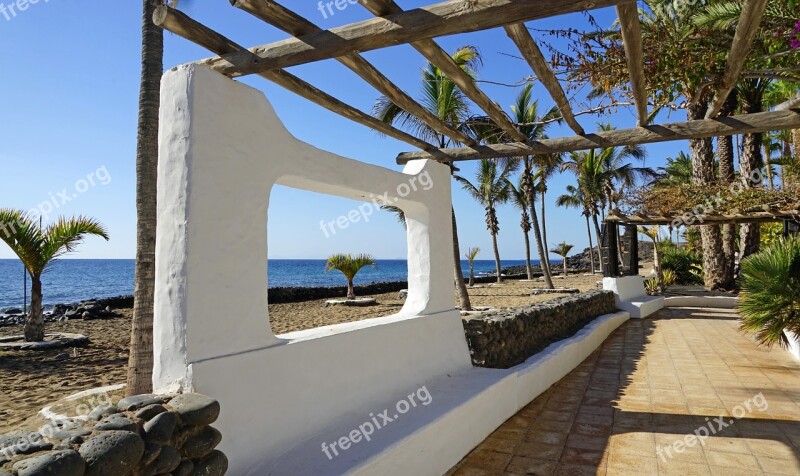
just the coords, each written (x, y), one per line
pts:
(143, 435)
(506, 338)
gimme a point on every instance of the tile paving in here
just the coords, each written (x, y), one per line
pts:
(635, 406)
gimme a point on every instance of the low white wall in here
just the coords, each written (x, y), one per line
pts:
(794, 345)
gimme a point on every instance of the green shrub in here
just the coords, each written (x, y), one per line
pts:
(682, 262)
(770, 299)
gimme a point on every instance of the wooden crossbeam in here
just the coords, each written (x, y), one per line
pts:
(294, 24)
(179, 23)
(632, 40)
(533, 55)
(752, 217)
(442, 19)
(437, 56)
(752, 13)
(699, 129)
(793, 103)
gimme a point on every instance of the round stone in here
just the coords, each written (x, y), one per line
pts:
(54, 463)
(184, 469)
(160, 428)
(140, 401)
(168, 460)
(201, 445)
(148, 412)
(196, 409)
(216, 464)
(112, 452)
(116, 422)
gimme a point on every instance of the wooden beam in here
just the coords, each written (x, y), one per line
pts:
(793, 103)
(533, 55)
(752, 13)
(442, 19)
(437, 56)
(722, 126)
(294, 24)
(752, 217)
(179, 23)
(632, 39)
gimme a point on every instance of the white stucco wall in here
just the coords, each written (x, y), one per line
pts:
(221, 150)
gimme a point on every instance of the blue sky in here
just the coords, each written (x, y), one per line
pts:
(69, 107)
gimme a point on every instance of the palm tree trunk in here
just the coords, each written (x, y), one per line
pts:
(544, 218)
(471, 274)
(749, 164)
(591, 246)
(544, 259)
(351, 291)
(726, 153)
(34, 324)
(496, 257)
(461, 288)
(140, 364)
(703, 173)
(565, 265)
(528, 255)
(599, 235)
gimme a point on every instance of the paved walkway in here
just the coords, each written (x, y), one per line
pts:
(627, 409)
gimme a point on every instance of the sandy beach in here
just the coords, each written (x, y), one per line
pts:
(32, 380)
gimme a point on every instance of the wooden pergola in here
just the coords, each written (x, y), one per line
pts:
(631, 223)
(419, 27)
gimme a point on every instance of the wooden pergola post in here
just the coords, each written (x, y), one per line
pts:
(791, 227)
(611, 249)
(631, 258)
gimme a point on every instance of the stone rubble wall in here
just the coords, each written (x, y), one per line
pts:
(507, 338)
(142, 435)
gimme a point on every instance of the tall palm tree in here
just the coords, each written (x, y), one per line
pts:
(490, 189)
(37, 248)
(349, 266)
(140, 362)
(575, 198)
(443, 98)
(520, 200)
(471, 254)
(547, 165)
(563, 249)
(678, 171)
(619, 173)
(525, 114)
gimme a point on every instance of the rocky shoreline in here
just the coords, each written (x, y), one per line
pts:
(85, 310)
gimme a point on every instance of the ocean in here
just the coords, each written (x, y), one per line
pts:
(69, 281)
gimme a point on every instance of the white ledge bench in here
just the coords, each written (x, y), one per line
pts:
(631, 296)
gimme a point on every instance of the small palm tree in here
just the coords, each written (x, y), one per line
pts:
(563, 249)
(490, 189)
(471, 254)
(575, 198)
(37, 248)
(770, 299)
(349, 266)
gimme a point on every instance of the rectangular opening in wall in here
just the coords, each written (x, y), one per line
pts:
(307, 228)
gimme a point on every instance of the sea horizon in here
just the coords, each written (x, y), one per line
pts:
(72, 280)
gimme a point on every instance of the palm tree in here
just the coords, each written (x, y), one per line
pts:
(574, 198)
(443, 98)
(678, 171)
(563, 249)
(770, 299)
(140, 361)
(619, 173)
(591, 178)
(525, 114)
(471, 254)
(37, 248)
(520, 200)
(349, 266)
(653, 233)
(490, 189)
(547, 165)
